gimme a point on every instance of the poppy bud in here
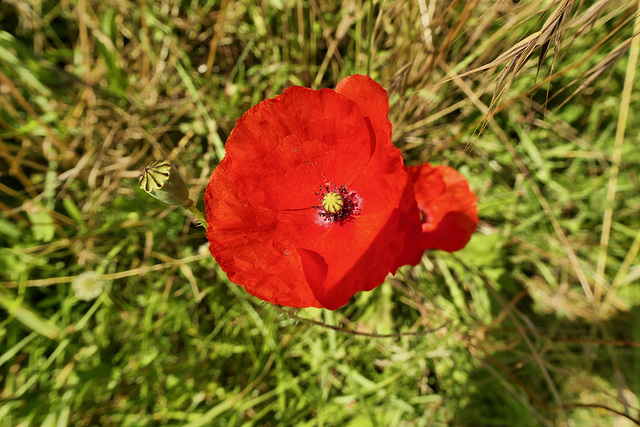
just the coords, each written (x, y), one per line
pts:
(162, 181)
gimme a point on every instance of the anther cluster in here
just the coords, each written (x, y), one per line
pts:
(349, 207)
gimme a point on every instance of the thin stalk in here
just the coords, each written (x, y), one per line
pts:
(615, 162)
(197, 213)
(370, 44)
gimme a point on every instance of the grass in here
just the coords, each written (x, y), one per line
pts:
(534, 323)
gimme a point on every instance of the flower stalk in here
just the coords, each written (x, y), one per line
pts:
(199, 216)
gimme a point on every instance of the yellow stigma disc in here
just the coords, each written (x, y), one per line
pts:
(332, 202)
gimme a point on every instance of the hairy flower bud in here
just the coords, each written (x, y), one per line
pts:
(162, 181)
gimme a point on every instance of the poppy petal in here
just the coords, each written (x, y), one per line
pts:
(240, 233)
(370, 97)
(283, 149)
(374, 104)
(449, 208)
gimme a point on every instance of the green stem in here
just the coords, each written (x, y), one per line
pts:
(370, 44)
(198, 214)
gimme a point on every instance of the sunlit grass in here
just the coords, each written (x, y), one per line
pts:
(532, 324)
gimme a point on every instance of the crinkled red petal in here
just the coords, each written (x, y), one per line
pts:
(283, 149)
(241, 235)
(370, 97)
(373, 101)
(449, 208)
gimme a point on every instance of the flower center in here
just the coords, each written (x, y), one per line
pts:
(332, 202)
(337, 204)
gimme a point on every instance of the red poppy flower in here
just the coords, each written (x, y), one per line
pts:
(448, 207)
(312, 202)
